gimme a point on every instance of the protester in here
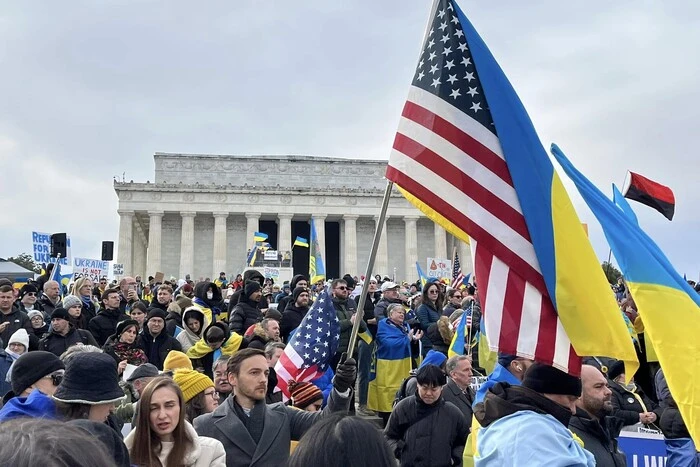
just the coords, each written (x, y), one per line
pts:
(154, 341)
(128, 293)
(89, 388)
(294, 312)
(221, 383)
(194, 322)
(140, 378)
(298, 281)
(17, 344)
(123, 345)
(51, 298)
(458, 388)
(28, 298)
(162, 436)
(39, 325)
(207, 297)
(305, 396)
(11, 318)
(334, 441)
(164, 296)
(198, 391)
(454, 302)
(267, 430)
(246, 312)
(680, 448)
(267, 330)
(424, 429)
(63, 334)
(105, 323)
(273, 352)
(216, 341)
(83, 290)
(592, 421)
(511, 415)
(76, 318)
(138, 313)
(630, 404)
(428, 312)
(176, 361)
(35, 370)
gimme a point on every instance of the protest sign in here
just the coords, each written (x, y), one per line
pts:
(117, 269)
(92, 268)
(439, 268)
(270, 255)
(41, 249)
(643, 449)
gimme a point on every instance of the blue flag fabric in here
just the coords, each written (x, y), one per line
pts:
(622, 203)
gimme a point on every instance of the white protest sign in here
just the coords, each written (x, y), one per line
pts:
(439, 268)
(117, 269)
(270, 255)
(41, 249)
(92, 268)
(272, 273)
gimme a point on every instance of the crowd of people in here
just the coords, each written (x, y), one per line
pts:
(182, 372)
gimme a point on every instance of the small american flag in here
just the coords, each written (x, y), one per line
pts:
(314, 343)
(457, 276)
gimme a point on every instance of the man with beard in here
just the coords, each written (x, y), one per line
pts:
(246, 312)
(592, 421)
(249, 275)
(294, 313)
(63, 334)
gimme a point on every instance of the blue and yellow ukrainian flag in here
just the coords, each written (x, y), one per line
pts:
(668, 306)
(301, 241)
(391, 364)
(317, 270)
(259, 237)
(421, 275)
(457, 344)
(252, 255)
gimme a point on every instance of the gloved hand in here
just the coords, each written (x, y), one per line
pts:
(345, 374)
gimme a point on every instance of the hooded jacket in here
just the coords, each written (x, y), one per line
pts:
(157, 349)
(208, 306)
(291, 319)
(244, 315)
(523, 427)
(173, 321)
(57, 344)
(259, 338)
(599, 438)
(249, 275)
(288, 301)
(105, 324)
(187, 338)
(36, 405)
(440, 335)
(203, 356)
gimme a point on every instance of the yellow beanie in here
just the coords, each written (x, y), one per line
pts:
(192, 382)
(177, 360)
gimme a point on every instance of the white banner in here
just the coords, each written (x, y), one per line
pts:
(270, 255)
(117, 269)
(92, 268)
(41, 249)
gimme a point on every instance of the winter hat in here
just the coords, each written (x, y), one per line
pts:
(156, 313)
(304, 394)
(60, 313)
(350, 281)
(91, 378)
(433, 357)
(27, 288)
(616, 369)
(251, 287)
(505, 359)
(192, 382)
(34, 313)
(273, 313)
(20, 336)
(177, 360)
(546, 379)
(297, 291)
(36, 405)
(31, 367)
(146, 370)
(183, 301)
(123, 325)
(187, 288)
(70, 301)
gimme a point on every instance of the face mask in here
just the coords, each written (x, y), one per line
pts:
(210, 295)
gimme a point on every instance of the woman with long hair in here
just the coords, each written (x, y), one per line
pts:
(83, 290)
(429, 312)
(122, 345)
(138, 313)
(163, 438)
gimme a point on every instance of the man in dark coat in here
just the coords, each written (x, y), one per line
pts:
(11, 318)
(592, 421)
(458, 388)
(299, 280)
(63, 334)
(256, 434)
(246, 312)
(630, 403)
(105, 323)
(295, 312)
(155, 341)
(249, 275)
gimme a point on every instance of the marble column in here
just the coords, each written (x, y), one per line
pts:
(253, 224)
(126, 237)
(465, 256)
(441, 242)
(320, 224)
(381, 263)
(187, 244)
(411, 247)
(140, 253)
(155, 228)
(219, 243)
(284, 233)
(350, 222)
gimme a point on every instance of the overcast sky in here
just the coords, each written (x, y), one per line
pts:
(92, 89)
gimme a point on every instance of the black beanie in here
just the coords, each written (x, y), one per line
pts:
(156, 313)
(251, 287)
(616, 369)
(505, 359)
(546, 379)
(31, 367)
(297, 291)
(350, 281)
(26, 288)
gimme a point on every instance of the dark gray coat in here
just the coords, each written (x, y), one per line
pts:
(452, 393)
(282, 425)
(599, 439)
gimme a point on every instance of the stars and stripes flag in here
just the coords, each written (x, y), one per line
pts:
(447, 154)
(309, 352)
(457, 276)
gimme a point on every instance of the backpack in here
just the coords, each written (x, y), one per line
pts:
(402, 393)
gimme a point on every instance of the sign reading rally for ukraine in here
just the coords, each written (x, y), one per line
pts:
(41, 249)
(92, 268)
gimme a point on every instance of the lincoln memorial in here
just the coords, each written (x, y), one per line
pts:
(199, 214)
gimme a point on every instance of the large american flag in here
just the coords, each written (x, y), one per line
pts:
(314, 343)
(457, 275)
(447, 154)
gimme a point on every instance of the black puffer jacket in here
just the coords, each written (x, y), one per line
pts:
(249, 275)
(291, 319)
(628, 407)
(105, 324)
(426, 435)
(57, 344)
(244, 315)
(157, 349)
(599, 438)
(287, 301)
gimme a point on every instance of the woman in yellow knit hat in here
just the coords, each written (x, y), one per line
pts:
(199, 392)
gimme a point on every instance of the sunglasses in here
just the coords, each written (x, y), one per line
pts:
(56, 378)
(341, 287)
(31, 294)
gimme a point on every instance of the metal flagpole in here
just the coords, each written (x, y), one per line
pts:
(370, 266)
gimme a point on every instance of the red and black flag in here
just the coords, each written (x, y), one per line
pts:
(651, 193)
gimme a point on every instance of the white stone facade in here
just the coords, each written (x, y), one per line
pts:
(199, 216)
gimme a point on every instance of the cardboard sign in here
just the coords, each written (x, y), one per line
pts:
(159, 277)
(117, 269)
(92, 268)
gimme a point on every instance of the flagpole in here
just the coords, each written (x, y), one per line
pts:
(370, 266)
